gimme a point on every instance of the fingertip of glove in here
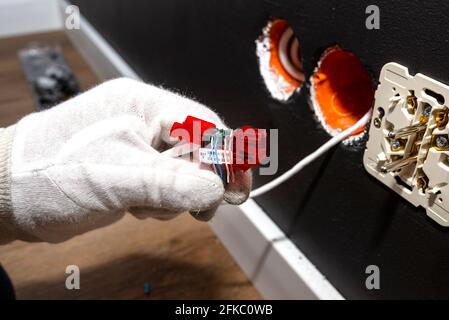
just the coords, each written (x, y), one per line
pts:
(197, 189)
(235, 198)
(205, 215)
(209, 188)
(238, 192)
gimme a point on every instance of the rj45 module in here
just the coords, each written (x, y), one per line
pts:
(408, 146)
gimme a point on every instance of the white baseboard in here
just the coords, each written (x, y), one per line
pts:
(277, 268)
(19, 17)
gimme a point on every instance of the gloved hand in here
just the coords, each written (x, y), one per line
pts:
(84, 163)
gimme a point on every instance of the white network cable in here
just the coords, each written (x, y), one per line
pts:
(188, 148)
(311, 157)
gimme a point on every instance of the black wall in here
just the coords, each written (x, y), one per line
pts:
(340, 217)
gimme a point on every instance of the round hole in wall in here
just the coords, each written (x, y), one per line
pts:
(280, 63)
(341, 91)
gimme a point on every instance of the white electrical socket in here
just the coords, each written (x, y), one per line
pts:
(408, 146)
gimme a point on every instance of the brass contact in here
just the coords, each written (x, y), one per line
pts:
(423, 119)
(397, 144)
(422, 181)
(412, 104)
(441, 118)
(377, 122)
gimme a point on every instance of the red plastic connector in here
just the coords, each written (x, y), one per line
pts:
(248, 143)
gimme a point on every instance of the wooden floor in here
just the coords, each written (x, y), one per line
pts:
(179, 259)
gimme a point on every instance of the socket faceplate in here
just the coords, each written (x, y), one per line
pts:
(408, 146)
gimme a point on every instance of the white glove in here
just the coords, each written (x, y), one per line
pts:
(84, 163)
